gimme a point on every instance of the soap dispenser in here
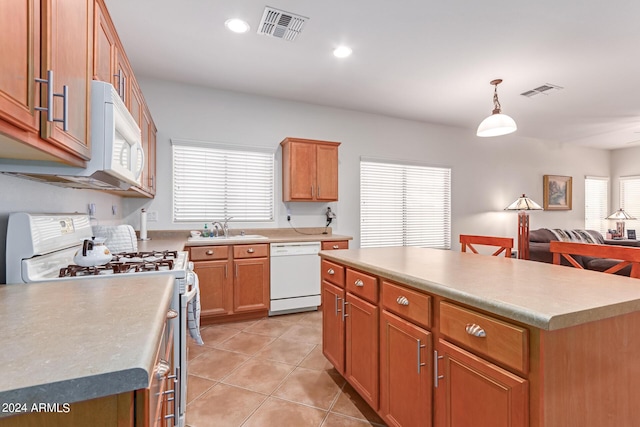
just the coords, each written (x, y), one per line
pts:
(205, 231)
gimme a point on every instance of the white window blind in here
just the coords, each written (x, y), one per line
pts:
(630, 199)
(404, 205)
(212, 182)
(596, 201)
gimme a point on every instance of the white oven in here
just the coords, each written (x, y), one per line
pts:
(41, 247)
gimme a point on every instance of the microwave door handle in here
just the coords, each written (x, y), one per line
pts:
(141, 154)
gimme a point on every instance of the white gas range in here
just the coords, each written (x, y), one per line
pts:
(41, 248)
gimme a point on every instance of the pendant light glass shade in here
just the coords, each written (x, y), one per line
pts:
(497, 123)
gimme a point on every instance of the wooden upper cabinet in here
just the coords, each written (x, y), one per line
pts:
(48, 35)
(104, 46)
(20, 30)
(67, 51)
(309, 170)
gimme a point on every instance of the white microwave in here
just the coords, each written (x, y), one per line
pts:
(117, 157)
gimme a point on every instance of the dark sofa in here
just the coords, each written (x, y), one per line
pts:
(539, 248)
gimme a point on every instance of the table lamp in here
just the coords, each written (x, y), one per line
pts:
(523, 204)
(620, 216)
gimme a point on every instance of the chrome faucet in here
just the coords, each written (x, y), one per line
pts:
(216, 226)
(223, 226)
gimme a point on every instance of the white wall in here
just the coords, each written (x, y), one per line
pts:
(18, 194)
(487, 174)
(624, 162)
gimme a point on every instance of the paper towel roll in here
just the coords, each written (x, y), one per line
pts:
(143, 225)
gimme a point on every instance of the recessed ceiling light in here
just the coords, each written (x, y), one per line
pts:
(342, 51)
(237, 25)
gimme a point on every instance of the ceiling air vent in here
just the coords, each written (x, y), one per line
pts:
(281, 24)
(545, 89)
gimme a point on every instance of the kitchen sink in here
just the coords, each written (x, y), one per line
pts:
(235, 237)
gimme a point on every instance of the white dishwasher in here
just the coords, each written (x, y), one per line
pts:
(295, 277)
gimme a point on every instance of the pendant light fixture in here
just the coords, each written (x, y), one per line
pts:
(497, 123)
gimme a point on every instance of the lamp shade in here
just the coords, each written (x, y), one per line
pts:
(496, 124)
(620, 215)
(523, 204)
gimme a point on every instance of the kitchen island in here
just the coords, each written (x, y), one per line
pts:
(69, 342)
(462, 339)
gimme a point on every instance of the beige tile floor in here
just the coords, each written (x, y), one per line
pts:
(270, 372)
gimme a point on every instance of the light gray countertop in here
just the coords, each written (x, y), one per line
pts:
(74, 340)
(545, 296)
(178, 239)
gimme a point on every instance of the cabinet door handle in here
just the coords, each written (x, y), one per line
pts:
(475, 330)
(336, 247)
(436, 375)
(250, 250)
(50, 95)
(420, 346)
(209, 252)
(119, 77)
(172, 314)
(402, 300)
(344, 309)
(337, 309)
(331, 272)
(359, 283)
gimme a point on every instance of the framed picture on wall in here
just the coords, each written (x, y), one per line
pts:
(557, 193)
(631, 234)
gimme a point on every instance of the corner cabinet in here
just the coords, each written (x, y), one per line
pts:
(234, 281)
(309, 170)
(50, 39)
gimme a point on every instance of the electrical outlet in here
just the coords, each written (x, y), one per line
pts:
(288, 217)
(91, 208)
(114, 209)
(152, 216)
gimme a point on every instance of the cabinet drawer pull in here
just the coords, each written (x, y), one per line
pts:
(402, 300)
(359, 283)
(475, 330)
(162, 369)
(172, 314)
(209, 252)
(250, 250)
(336, 246)
(331, 271)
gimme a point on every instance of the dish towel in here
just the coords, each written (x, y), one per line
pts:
(119, 238)
(193, 314)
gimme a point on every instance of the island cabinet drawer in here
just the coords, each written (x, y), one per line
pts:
(332, 273)
(250, 251)
(498, 340)
(412, 305)
(336, 244)
(363, 285)
(206, 253)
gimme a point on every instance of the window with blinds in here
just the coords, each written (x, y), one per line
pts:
(404, 205)
(212, 182)
(630, 200)
(596, 203)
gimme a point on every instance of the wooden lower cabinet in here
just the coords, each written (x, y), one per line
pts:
(406, 369)
(216, 287)
(333, 325)
(251, 285)
(234, 281)
(475, 392)
(361, 349)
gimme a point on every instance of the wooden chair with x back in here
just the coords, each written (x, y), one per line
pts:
(504, 244)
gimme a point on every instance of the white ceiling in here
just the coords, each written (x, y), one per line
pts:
(421, 60)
